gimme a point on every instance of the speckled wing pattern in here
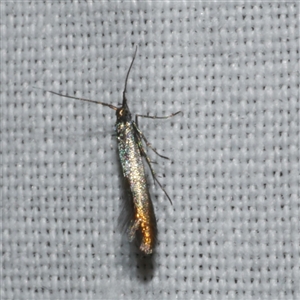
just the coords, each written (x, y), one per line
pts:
(130, 152)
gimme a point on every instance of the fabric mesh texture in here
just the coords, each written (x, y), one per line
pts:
(233, 173)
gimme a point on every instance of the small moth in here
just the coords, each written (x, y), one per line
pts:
(131, 151)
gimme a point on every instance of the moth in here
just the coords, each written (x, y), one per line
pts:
(131, 151)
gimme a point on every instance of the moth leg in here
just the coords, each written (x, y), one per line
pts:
(146, 141)
(155, 117)
(143, 153)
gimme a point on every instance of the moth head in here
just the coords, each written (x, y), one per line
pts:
(123, 114)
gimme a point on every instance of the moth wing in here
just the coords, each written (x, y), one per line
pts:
(126, 218)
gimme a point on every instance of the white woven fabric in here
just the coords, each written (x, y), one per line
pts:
(232, 68)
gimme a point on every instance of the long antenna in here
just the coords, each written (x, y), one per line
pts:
(124, 92)
(82, 99)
